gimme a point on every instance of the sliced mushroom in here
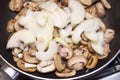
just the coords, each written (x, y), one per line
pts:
(46, 66)
(10, 25)
(21, 13)
(77, 62)
(84, 37)
(64, 2)
(97, 10)
(106, 4)
(32, 6)
(21, 65)
(92, 62)
(18, 36)
(100, 11)
(90, 47)
(65, 52)
(15, 58)
(109, 35)
(16, 5)
(66, 73)
(83, 42)
(59, 64)
(29, 58)
(82, 52)
(87, 2)
(38, 1)
(16, 51)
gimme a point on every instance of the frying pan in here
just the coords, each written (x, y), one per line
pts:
(112, 20)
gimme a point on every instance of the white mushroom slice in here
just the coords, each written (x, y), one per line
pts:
(49, 5)
(49, 54)
(77, 11)
(28, 65)
(80, 28)
(41, 17)
(98, 46)
(23, 35)
(46, 66)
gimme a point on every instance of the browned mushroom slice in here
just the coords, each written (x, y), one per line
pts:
(87, 2)
(65, 52)
(21, 13)
(16, 51)
(29, 58)
(32, 6)
(90, 47)
(106, 4)
(15, 58)
(16, 5)
(97, 10)
(59, 64)
(21, 65)
(10, 25)
(100, 11)
(66, 73)
(46, 66)
(109, 35)
(64, 2)
(77, 62)
(82, 52)
(92, 62)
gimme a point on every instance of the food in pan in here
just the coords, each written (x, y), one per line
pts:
(61, 37)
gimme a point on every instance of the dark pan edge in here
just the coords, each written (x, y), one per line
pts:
(82, 76)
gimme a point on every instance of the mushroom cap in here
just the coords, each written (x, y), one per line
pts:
(77, 62)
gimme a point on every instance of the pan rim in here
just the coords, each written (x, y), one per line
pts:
(78, 77)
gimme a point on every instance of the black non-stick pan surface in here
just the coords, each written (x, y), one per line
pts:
(112, 20)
